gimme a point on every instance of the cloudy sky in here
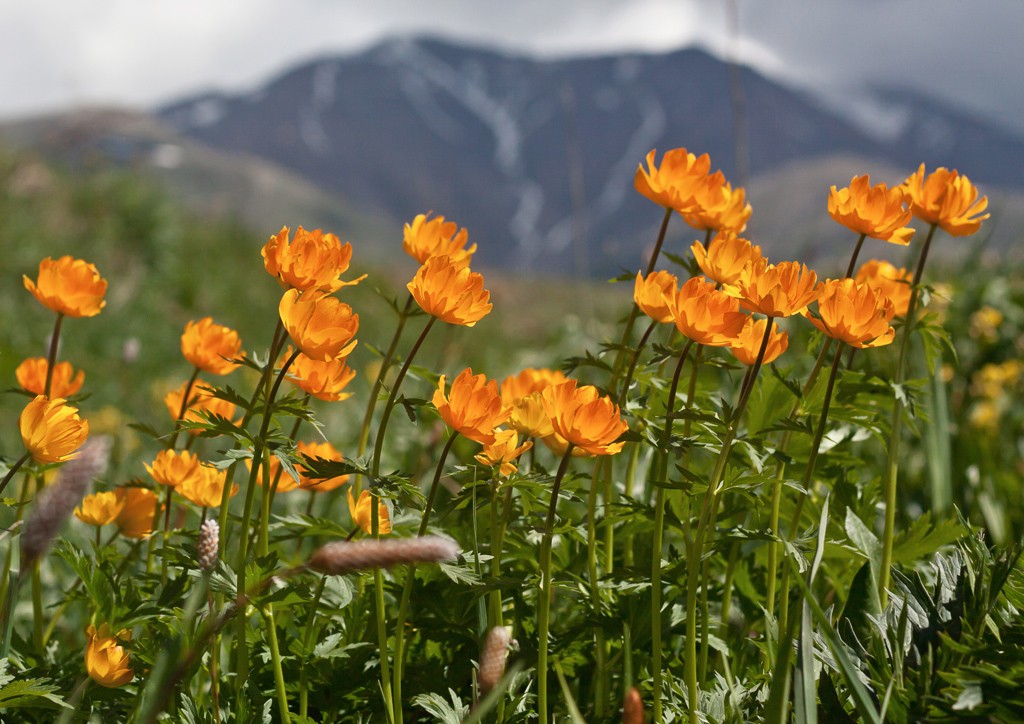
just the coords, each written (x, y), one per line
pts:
(62, 53)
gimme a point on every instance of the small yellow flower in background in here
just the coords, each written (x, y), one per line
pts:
(426, 237)
(325, 380)
(892, 282)
(718, 207)
(313, 260)
(946, 198)
(140, 507)
(325, 451)
(992, 380)
(528, 381)
(674, 183)
(206, 487)
(529, 418)
(706, 315)
(200, 399)
(985, 324)
(173, 468)
(585, 417)
(99, 508)
(31, 376)
(211, 347)
(875, 211)
(747, 343)
(651, 294)
(776, 290)
(473, 408)
(503, 451)
(106, 660)
(447, 289)
(725, 258)
(69, 286)
(854, 313)
(322, 326)
(362, 511)
(985, 415)
(52, 430)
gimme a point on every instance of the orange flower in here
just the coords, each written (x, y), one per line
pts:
(676, 181)
(427, 237)
(529, 418)
(651, 294)
(325, 380)
(718, 207)
(503, 451)
(312, 260)
(362, 512)
(530, 380)
(948, 199)
(322, 326)
(875, 211)
(705, 314)
(854, 313)
(140, 506)
(52, 429)
(211, 347)
(474, 407)
(748, 342)
(200, 400)
(106, 661)
(776, 290)
(173, 468)
(325, 451)
(725, 257)
(31, 376)
(448, 290)
(892, 282)
(99, 508)
(69, 286)
(206, 487)
(585, 418)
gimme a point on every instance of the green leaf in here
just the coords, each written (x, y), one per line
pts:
(864, 540)
(923, 539)
(442, 711)
(30, 693)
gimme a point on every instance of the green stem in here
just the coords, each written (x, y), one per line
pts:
(275, 657)
(51, 357)
(853, 257)
(544, 592)
(633, 360)
(14, 468)
(494, 610)
(892, 467)
(595, 592)
(385, 365)
(307, 640)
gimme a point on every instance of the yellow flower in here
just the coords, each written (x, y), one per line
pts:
(530, 380)
(69, 286)
(676, 181)
(200, 399)
(705, 314)
(426, 237)
(718, 207)
(173, 468)
(325, 451)
(876, 211)
(312, 260)
(52, 429)
(748, 342)
(322, 326)
(725, 257)
(585, 418)
(992, 380)
(503, 451)
(206, 487)
(529, 418)
(985, 323)
(99, 509)
(361, 512)
(106, 661)
(948, 199)
(854, 313)
(448, 290)
(31, 376)
(892, 282)
(985, 415)
(140, 507)
(325, 380)
(211, 347)
(473, 408)
(776, 290)
(651, 294)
